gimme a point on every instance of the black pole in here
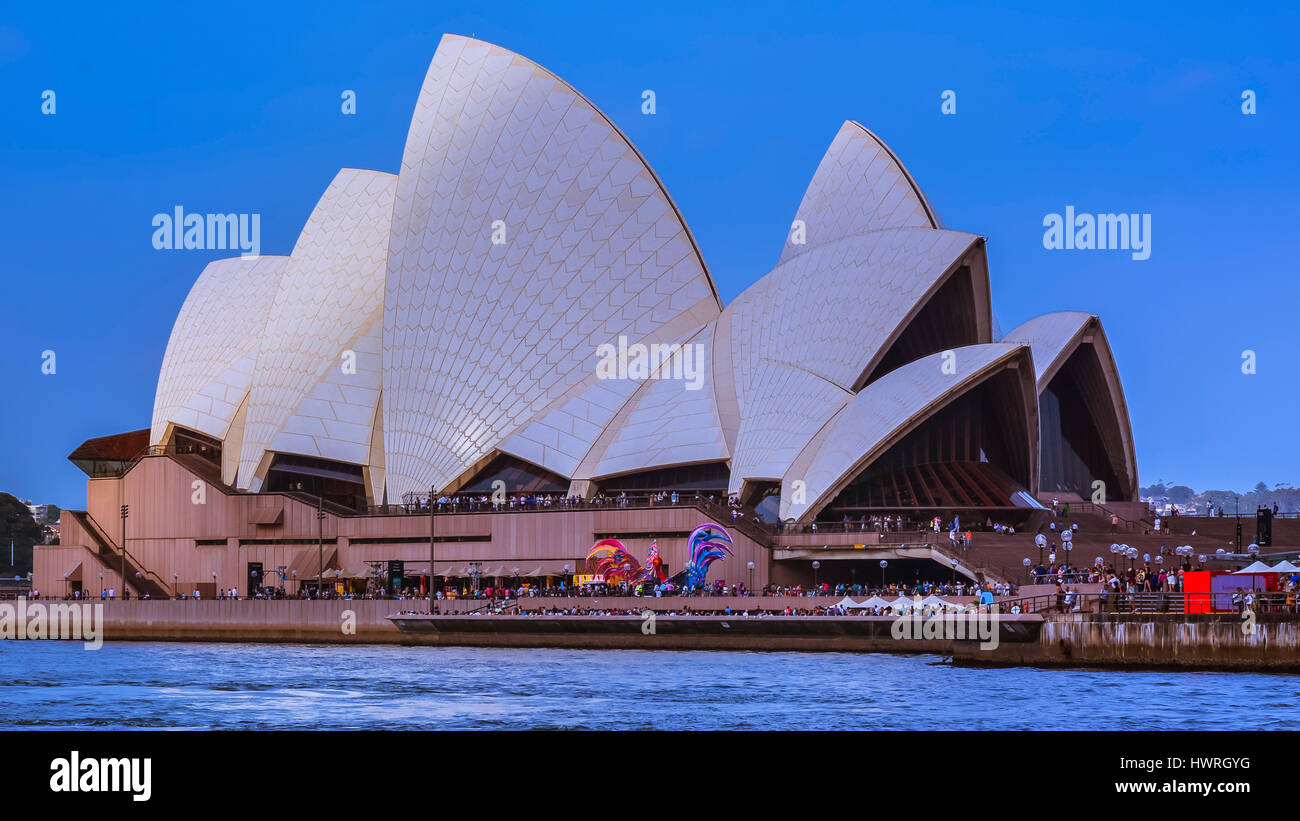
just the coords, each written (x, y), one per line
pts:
(320, 545)
(432, 502)
(125, 510)
(1238, 518)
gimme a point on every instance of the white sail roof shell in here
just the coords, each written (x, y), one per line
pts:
(879, 415)
(1054, 338)
(860, 186)
(208, 366)
(673, 418)
(471, 291)
(330, 297)
(481, 337)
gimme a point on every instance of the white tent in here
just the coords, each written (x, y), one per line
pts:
(935, 601)
(903, 603)
(1257, 567)
(1285, 567)
(875, 601)
(847, 602)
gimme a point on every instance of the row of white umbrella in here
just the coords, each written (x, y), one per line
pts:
(1280, 567)
(902, 604)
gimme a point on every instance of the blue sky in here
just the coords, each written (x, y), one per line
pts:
(1107, 107)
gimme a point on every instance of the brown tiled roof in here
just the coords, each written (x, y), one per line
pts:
(120, 447)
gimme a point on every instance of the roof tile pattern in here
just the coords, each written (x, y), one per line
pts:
(208, 366)
(1052, 337)
(859, 186)
(825, 314)
(331, 293)
(897, 400)
(774, 432)
(523, 232)
(481, 336)
(336, 419)
(667, 422)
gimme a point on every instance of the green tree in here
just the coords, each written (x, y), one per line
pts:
(18, 526)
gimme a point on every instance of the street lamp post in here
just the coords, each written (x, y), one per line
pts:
(750, 589)
(433, 500)
(126, 510)
(1041, 541)
(175, 576)
(953, 562)
(320, 545)
(1237, 543)
(883, 565)
(816, 566)
(1026, 561)
(214, 583)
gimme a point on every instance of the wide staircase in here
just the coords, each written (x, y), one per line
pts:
(1286, 532)
(111, 556)
(1005, 554)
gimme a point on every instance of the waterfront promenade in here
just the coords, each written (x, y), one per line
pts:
(1042, 634)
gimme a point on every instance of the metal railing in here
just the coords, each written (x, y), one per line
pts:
(1095, 509)
(101, 536)
(416, 504)
(1153, 603)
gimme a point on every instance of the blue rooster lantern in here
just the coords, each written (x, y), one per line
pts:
(708, 544)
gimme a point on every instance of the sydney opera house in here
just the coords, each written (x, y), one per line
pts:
(440, 331)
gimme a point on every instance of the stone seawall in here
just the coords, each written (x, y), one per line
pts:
(872, 634)
(292, 620)
(1174, 641)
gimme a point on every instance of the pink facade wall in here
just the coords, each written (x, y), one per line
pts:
(171, 511)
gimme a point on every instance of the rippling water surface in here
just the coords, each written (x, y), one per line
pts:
(46, 685)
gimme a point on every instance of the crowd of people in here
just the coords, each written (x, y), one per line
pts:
(499, 502)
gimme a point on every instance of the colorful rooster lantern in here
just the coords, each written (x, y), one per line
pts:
(708, 543)
(653, 571)
(610, 559)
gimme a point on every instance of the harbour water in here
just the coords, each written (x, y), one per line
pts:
(59, 685)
